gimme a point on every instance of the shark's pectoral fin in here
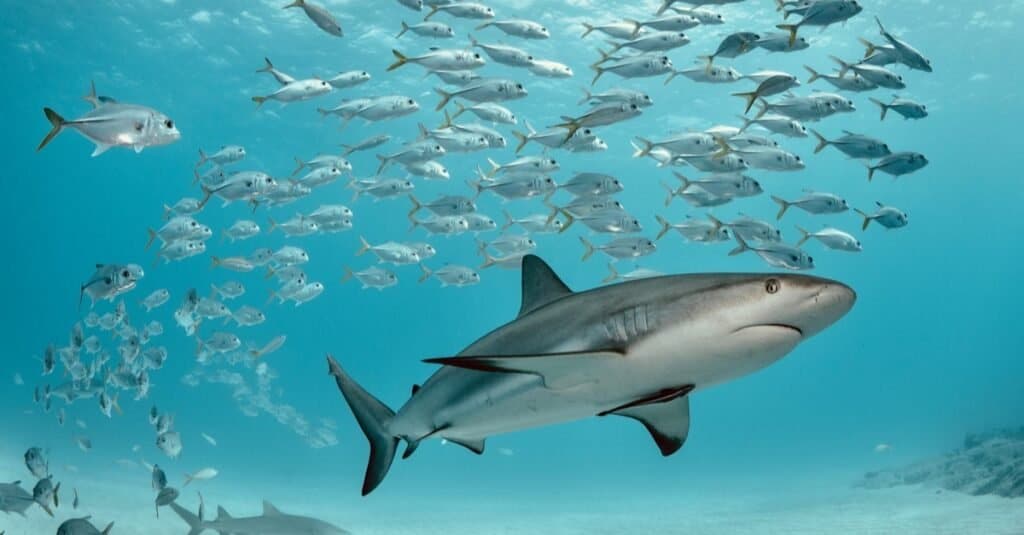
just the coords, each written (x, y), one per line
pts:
(665, 414)
(557, 370)
(475, 446)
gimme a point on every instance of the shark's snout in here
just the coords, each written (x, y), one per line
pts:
(829, 301)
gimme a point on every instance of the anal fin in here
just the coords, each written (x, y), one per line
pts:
(665, 414)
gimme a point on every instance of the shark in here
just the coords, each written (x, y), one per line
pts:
(271, 522)
(637, 349)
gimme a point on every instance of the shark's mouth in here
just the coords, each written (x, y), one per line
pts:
(793, 328)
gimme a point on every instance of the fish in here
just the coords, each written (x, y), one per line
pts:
(440, 60)
(35, 461)
(204, 474)
(166, 496)
(451, 275)
(45, 492)
(612, 350)
(888, 216)
(366, 144)
(390, 252)
(15, 499)
(897, 164)
(527, 29)
(503, 54)
(823, 14)
(854, 145)
(436, 30)
(296, 91)
(116, 125)
(904, 53)
(372, 277)
(636, 274)
(875, 74)
(695, 230)
(626, 29)
(271, 521)
(82, 526)
(159, 478)
(775, 254)
(242, 229)
(156, 299)
(273, 345)
(620, 248)
(832, 238)
(320, 16)
(347, 79)
(281, 77)
(733, 46)
(905, 107)
(845, 83)
(208, 438)
(170, 443)
(465, 10)
(227, 154)
(642, 66)
(813, 203)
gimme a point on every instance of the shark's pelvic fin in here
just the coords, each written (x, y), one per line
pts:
(557, 370)
(665, 414)
(475, 446)
(541, 285)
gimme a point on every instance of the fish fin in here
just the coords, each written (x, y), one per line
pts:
(822, 142)
(665, 414)
(613, 274)
(586, 97)
(540, 285)
(259, 101)
(90, 97)
(152, 236)
(750, 96)
(445, 97)
(671, 194)
(599, 70)
(804, 236)
(509, 220)
(100, 149)
(814, 75)
(742, 247)
(426, 275)
(792, 29)
(523, 140)
(474, 445)
(557, 370)
(365, 245)
(222, 514)
(269, 509)
(665, 227)
(867, 218)
(843, 66)
(400, 59)
(405, 28)
(588, 249)
(587, 28)
(882, 105)
(433, 11)
(783, 206)
(299, 164)
(57, 122)
(372, 416)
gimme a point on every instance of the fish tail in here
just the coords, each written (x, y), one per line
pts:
(426, 273)
(587, 28)
(613, 274)
(400, 59)
(447, 123)
(792, 29)
(271, 225)
(843, 66)
(665, 226)
(152, 237)
(413, 222)
(822, 142)
(741, 247)
(648, 146)
(746, 122)
(814, 75)
(869, 47)
(484, 25)
(364, 245)
(373, 417)
(670, 194)
(682, 178)
(764, 108)
(588, 249)
(867, 218)
(783, 206)
(523, 140)
(665, 4)
(586, 96)
(348, 275)
(384, 161)
(267, 67)
(509, 220)
(569, 220)
(599, 70)
(433, 11)
(779, 5)
(882, 105)
(202, 159)
(459, 110)
(299, 164)
(445, 97)
(416, 204)
(671, 76)
(405, 28)
(804, 236)
(750, 96)
(57, 122)
(106, 530)
(259, 101)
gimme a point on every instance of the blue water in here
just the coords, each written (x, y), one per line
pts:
(929, 352)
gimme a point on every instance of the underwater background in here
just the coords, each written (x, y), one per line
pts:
(930, 352)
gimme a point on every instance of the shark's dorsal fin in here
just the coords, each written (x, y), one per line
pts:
(222, 514)
(269, 509)
(541, 285)
(665, 414)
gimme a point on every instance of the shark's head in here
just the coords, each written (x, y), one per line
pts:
(800, 304)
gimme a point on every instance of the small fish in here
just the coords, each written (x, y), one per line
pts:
(156, 299)
(36, 462)
(695, 230)
(81, 526)
(436, 30)
(887, 216)
(116, 125)
(636, 274)
(228, 290)
(344, 80)
(775, 254)
(451, 275)
(620, 248)
(204, 474)
(366, 144)
(373, 277)
(247, 316)
(226, 155)
(320, 16)
(209, 439)
(273, 345)
(813, 203)
(832, 238)
(905, 107)
(898, 164)
(169, 442)
(45, 492)
(242, 230)
(83, 443)
(218, 342)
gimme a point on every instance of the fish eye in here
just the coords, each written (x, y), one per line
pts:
(411, 102)
(476, 56)
(364, 73)
(125, 274)
(169, 123)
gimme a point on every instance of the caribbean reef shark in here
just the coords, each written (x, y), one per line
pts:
(635, 349)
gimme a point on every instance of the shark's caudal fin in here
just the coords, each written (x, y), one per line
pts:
(372, 416)
(195, 524)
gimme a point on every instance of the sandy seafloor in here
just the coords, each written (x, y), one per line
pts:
(830, 505)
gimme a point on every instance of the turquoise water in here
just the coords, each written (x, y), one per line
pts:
(929, 352)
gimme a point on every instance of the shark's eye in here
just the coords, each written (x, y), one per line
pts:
(772, 285)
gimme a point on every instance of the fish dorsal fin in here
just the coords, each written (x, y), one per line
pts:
(222, 514)
(269, 509)
(541, 285)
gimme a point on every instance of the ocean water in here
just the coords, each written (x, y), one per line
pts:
(930, 351)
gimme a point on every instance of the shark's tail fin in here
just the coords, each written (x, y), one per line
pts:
(195, 524)
(372, 416)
